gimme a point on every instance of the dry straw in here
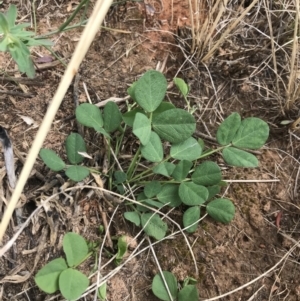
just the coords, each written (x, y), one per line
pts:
(86, 39)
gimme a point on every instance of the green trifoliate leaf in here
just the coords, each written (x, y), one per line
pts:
(181, 85)
(192, 194)
(112, 117)
(169, 195)
(154, 226)
(89, 115)
(159, 287)
(77, 173)
(181, 170)
(75, 144)
(164, 169)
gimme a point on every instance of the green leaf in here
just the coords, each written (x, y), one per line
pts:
(122, 249)
(191, 216)
(4, 27)
(47, 277)
(164, 168)
(52, 160)
(164, 106)
(228, 128)
(150, 90)
(89, 115)
(159, 288)
(129, 117)
(153, 150)
(11, 15)
(181, 85)
(112, 117)
(181, 170)
(153, 204)
(142, 128)
(213, 191)
(75, 144)
(189, 292)
(152, 189)
(207, 173)
(120, 177)
(175, 125)
(102, 292)
(239, 158)
(75, 248)
(169, 195)
(252, 133)
(72, 284)
(36, 42)
(155, 227)
(192, 194)
(221, 210)
(133, 217)
(189, 149)
(130, 90)
(77, 173)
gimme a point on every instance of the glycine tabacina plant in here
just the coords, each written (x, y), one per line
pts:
(16, 40)
(177, 172)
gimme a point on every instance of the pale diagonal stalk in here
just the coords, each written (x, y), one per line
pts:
(87, 37)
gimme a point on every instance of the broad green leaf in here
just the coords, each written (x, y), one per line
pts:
(133, 217)
(150, 90)
(52, 160)
(75, 144)
(120, 177)
(112, 117)
(153, 150)
(142, 128)
(11, 15)
(189, 292)
(77, 173)
(159, 288)
(75, 248)
(181, 85)
(153, 204)
(181, 170)
(164, 106)
(237, 157)
(228, 128)
(152, 188)
(252, 133)
(192, 194)
(189, 149)
(122, 249)
(89, 115)
(155, 227)
(72, 284)
(207, 173)
(129, 117)
(169, 195)
(191, 216)
(175, 125)
(164, 168)
(47, 277)
(221, 210)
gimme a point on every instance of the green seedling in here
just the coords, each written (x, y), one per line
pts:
(60, 274)
(165, 287)
(176, 175)
(17, 41)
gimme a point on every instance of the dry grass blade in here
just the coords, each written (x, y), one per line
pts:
(87, 37)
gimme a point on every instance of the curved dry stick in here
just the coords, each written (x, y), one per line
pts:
(86, 39)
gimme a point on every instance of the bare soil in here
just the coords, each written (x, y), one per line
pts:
(138, 38)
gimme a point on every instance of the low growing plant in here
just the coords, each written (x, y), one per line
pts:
(16, 40)
(176, 172)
